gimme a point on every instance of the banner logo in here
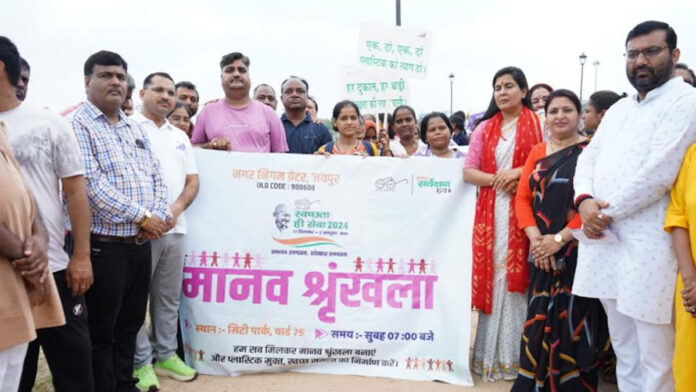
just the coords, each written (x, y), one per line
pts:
(388, 184)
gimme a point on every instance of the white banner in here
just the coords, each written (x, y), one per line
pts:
(401, 50)
(374, 92)
(339, 265)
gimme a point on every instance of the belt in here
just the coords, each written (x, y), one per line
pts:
(134, 240)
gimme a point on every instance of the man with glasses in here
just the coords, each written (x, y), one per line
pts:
(175, 154)
(622, 184)
(304, 135)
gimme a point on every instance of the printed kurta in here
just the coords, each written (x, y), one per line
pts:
(631, 164)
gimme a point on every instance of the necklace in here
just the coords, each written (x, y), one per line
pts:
(354, 148)
(506, 130)
(553, 147)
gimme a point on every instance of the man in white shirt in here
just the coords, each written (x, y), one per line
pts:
(623, 180)
(49, 157)
(174, 151)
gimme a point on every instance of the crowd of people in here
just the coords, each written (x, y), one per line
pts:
(580, 250)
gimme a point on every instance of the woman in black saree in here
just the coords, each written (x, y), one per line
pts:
(564, 335)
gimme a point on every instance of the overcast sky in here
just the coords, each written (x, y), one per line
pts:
(316, 38)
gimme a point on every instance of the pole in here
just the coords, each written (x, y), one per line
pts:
(451, 96)
(398, 12)
(451, 79)
(583, 59)
(596, 67)
(582, 72)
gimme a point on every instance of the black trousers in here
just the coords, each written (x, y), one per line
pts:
(117, 303)
(67, 348)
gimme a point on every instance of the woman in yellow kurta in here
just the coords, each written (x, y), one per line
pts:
(681, 222)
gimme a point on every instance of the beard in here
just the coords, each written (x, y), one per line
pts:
(656, 76)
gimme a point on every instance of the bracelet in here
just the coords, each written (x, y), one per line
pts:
(145, 221)
(580, 199)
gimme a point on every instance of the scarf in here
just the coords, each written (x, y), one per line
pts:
(527, 135)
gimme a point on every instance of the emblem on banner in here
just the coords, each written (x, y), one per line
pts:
(305, 227)
(388, 184)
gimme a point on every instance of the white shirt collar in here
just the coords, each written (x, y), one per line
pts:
(140, 118)
(656, 92)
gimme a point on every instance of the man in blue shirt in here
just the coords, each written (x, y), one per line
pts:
(304, 136)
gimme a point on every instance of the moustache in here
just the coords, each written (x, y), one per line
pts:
(645, 68)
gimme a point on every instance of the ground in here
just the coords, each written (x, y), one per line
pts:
(291, 382)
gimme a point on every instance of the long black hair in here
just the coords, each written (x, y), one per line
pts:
(521, 81)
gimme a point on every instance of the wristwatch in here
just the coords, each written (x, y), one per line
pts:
(148, 215)
(558, 238)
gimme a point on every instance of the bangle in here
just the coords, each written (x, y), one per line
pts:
(580, 199)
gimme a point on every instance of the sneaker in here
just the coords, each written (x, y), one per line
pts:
(147, 380)
(175, 368)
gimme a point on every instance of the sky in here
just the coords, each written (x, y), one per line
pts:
(315, 39)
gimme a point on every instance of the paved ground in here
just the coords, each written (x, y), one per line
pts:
(298, 382)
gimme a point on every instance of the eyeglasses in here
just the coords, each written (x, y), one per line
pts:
(650, 52)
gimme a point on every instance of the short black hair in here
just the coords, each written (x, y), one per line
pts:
(104, 57)
(306, 85)
(316, 105)
(687, 69)
(264, 85)
(648, 27)
(424, 123)
(130, 82)
(148, 78)
(566, 94)
(25, 64)
(9, 55)
(230, 58)
(187, 85)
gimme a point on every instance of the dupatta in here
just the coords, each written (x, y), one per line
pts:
(527, 135)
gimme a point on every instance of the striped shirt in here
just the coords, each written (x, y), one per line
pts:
(123, 176)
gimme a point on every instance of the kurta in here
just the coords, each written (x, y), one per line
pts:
(682, 213)
(631, 164)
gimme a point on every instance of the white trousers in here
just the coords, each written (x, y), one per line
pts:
(643, 352)
(11, 363)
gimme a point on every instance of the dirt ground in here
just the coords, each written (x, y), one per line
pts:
(302, 382)
(290, 382)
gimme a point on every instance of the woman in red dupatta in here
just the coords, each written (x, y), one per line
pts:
(498, 149)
